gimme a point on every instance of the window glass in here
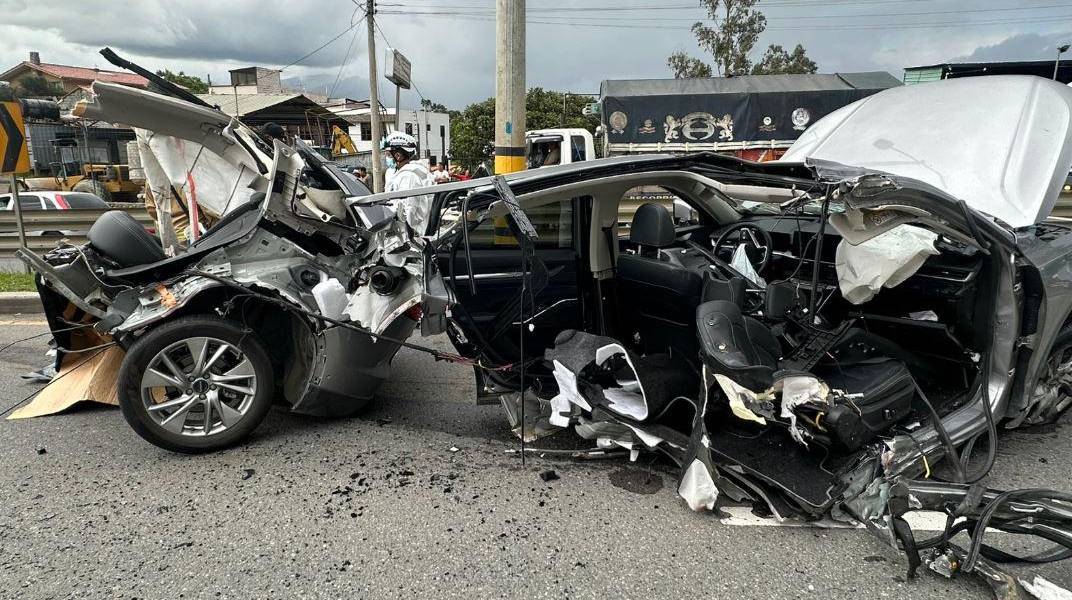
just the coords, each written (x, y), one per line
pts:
(553, 223)
(409, 128)
(681, 211)
(81, 200)
(577, 153)
(29, 201)
(544, 154)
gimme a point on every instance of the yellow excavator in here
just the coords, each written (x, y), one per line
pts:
(110, 183)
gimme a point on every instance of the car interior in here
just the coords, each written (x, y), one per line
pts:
(668, 291)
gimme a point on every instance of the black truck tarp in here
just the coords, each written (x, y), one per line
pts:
(725, 113)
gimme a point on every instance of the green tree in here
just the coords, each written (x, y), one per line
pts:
(191, 82)
(36, 86)
(776, 61)
(685, 66)
(7, 93)
(736, 30)
(472, 130)
(430, 106)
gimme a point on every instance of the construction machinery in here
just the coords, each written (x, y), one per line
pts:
(109, 182)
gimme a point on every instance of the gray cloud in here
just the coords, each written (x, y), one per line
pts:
(453, 58)
(1025, 46)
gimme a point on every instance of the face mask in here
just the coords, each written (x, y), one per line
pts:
(391, 162)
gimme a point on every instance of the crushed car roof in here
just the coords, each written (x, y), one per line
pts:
(1002, 144)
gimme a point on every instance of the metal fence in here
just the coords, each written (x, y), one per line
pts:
(44, 228)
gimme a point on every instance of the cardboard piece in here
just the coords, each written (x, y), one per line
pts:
(79, 380)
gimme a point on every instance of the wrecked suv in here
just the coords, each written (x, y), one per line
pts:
(826, 334)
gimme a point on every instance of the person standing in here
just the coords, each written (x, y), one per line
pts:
(362, 175)
(407, 174)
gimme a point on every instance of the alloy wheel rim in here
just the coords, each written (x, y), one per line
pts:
(198, 386)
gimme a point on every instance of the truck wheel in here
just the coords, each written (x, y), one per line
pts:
(92, 186)
(197, 384)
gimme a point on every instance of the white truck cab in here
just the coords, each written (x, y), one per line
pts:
(546, 147)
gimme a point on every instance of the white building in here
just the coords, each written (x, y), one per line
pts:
(431, 129)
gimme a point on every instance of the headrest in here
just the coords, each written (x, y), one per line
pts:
(652, 226)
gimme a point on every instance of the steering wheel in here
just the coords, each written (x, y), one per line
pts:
(756, 241)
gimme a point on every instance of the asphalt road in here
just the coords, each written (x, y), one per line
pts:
(381, 507)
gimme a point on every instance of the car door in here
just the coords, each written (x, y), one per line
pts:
(487, 305)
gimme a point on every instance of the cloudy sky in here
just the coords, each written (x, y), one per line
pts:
(572, 45)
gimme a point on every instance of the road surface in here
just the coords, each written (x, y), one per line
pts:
(415, 498)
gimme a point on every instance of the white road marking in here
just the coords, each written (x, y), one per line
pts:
(741, 516)
(24, 322)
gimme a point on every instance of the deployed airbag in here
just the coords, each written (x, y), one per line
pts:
(885, 260)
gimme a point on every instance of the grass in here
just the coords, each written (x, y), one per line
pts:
(17, 282)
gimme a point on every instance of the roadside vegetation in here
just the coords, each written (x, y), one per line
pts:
(16, 282)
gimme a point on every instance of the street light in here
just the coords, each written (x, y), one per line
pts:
(1060, 50)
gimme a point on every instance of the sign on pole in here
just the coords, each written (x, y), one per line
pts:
(15, 157)
(398, 69)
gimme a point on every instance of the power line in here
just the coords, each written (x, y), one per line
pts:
(322, 46)
(654, 7)
(830, 27)
(775, 18)
(346, 57)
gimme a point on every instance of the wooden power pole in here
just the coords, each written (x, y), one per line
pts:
(374, 98)
(509, 86)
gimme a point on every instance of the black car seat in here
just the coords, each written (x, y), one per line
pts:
(658, 296)
(747, 351)
(120, 237)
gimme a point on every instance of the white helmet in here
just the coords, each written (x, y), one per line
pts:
(400, 141)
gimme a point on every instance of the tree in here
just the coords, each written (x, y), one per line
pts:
(685, 66)
(191, 82)
(36, 86)
(737, 27)
(472, 130)
(430, 106)
(776, 61)
(7, 93)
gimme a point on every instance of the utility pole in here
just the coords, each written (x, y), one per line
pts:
(374, 98)
(509, 86)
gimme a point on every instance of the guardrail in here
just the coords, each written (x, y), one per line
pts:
(46, 227)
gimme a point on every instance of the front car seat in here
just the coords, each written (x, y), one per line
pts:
(658, 295)
(120, 237)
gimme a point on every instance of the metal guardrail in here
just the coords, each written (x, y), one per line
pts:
(1063, 208)
(44, 228)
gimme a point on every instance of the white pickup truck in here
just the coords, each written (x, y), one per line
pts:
(546, 147)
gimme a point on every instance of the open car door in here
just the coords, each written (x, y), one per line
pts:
(486, 277)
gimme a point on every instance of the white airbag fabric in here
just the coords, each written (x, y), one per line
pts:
(886, 260)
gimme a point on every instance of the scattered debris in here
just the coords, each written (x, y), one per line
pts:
(549, 475)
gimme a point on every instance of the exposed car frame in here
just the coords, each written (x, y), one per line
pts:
(256, 292)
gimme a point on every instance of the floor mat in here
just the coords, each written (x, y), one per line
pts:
(771, 455)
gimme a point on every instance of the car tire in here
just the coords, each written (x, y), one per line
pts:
(1056, 379)
(174, 402)
(92, 186)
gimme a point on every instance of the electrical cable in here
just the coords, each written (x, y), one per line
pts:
(34, 337)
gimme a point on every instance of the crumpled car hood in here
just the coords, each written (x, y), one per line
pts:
(1002, 144)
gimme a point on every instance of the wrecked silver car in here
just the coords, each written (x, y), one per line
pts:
(830, 334)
